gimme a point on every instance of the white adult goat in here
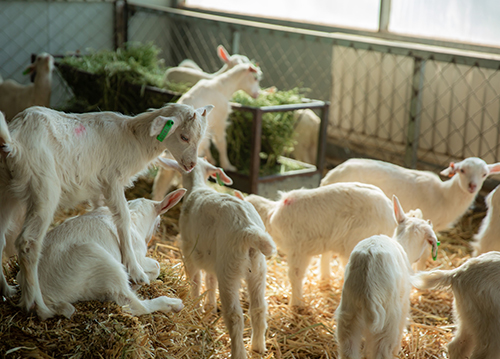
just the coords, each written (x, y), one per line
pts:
(15, 97)
(308, 222)
(51, 159)
(81, 259)
(443, 202)
(375, 298)
(488, 237)
(188, 72)
(476, 288)
(225, 237)
(217, 91)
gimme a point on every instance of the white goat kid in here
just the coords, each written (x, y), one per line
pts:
(375, 298)
(309, 222)
(188, 72)
(488, 237)
(443, 202)
(81, 259)
(217, 91)
(225, 237)
(476, 288)
(15, 97)
(51, 159)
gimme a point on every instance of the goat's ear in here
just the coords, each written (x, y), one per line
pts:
(252, 69)
(494, 168)
(205, 110)
(170, 164)
(450, 171)
(30, 69)
(222, 175)
(170, 200)
(239, 195)
(223, 54)
(164, 125)
(398, 210)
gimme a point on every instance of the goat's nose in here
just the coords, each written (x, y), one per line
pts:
(190, 166)
(472, 187)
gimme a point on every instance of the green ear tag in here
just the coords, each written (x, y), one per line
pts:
(434, 256)
(166, 129)
(27, 71)
(219, 181)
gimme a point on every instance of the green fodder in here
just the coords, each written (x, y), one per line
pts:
(277, 130)
(117, 80)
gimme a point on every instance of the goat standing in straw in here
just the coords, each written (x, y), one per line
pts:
(50, 159)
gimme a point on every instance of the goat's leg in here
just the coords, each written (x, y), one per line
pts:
(229, 289)
(8, 210)
(256, 282)
(221, 144)
(297, 266)
(349, 332)
(41, 207)
(211, 285)
(325, 260)
(117, 203)
(162, 183)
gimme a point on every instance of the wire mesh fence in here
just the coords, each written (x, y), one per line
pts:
(415, 105)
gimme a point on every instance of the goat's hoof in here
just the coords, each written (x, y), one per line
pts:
(9, 291)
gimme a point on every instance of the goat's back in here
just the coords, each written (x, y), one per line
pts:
(214, 224)
(376, 282)
(331, 218)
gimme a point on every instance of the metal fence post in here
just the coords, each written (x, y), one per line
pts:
(413, 133)
(121, 23)
(236, 42)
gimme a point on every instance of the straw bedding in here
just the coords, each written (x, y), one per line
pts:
(104, 330)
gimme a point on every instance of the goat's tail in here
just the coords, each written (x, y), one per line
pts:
(5, 139)
(432, 279)
(377, 315)
(261, 240)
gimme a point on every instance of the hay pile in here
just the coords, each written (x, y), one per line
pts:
(103, 330)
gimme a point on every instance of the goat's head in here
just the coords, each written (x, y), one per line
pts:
(181, 129)
(204, 169)
(472, 172)
(145, 214)
(413, 232)
(231, 60)
(249, 80)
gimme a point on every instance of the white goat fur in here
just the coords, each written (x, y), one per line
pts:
(188, 72)
(225, 237)
(306, 135)
(476, 288)
(309, 222)
(375, 298)
(488, 237)
(218, 92)
(15, 97)
(81, 259)
(443, 202)
(50, 159)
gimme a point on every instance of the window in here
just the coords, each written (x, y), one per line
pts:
(363, 14)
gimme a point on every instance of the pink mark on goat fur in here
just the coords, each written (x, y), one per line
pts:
(80, 130)
(288, 201)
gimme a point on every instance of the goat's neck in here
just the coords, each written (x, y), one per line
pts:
(455, 195)
(192, 180)
(229, 83)
(220, 71)
(139, 128)
(42, 87)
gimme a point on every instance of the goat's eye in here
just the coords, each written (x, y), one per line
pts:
(462, 170)
(184, 138)
(484, 174)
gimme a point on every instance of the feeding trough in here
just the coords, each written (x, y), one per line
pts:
(302, 175)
